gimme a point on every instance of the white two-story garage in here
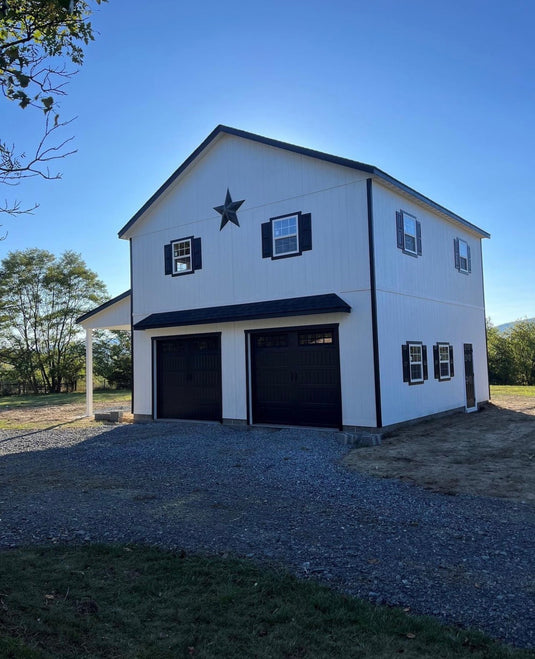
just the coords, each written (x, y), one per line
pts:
(273, 284)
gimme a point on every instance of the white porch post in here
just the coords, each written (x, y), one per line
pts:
(89, 372)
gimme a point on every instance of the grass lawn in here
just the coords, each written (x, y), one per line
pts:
(55, 410)
(43, 400)
(511, 390)
(97, 601)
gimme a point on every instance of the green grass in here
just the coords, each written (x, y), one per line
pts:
(42, 400)
(511, 390)
(97, 601)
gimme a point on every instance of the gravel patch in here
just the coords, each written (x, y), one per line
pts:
(280, 496)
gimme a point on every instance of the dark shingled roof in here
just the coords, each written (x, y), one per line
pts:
(295, 306)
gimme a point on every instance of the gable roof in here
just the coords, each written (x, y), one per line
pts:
(311, 153)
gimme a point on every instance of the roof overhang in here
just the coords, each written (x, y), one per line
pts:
(296, 306)
(311, 153)
(113, 314)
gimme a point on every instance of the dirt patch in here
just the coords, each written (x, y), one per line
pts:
(51, 416)
(488, 453)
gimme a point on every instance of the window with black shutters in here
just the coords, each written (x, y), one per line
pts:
(462, 255)
(287, 235)
(443, 361)
(414, 359)
(182, 256)
(409, 233)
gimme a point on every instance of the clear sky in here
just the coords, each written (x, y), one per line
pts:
(441, 95)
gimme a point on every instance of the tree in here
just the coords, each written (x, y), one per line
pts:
(40, 298)
(521, 337)
(36, 38)
(112, 358)
(500, 356)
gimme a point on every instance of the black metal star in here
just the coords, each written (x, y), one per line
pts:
(228, 211)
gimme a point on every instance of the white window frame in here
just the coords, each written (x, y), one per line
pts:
(415, 362)
(463, 247)
(446, 347)
(176, 258)
(414, 235)
(274, 222)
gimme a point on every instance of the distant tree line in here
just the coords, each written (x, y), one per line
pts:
(42, 349)
(511, 353)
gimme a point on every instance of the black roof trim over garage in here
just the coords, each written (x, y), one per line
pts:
(295, 306)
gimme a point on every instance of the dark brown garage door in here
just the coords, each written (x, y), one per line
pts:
(295, 377)
(188, 378)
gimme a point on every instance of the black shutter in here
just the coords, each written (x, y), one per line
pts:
(305, 232)
(418, 238)
(399, 230)
(196, 254)
(456, 252)
(168, 259)
(469, 258)
(406, 365)
(424, 361)
(267, 246)
(436, 362)
(451, 362)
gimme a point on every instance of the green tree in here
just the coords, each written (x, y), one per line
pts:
(522, 340)
(500, 356)
(40, 298)
(112, 357)
(37, 39)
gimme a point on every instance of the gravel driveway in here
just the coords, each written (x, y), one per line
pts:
(281, 496)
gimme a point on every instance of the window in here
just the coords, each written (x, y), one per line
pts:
(409, 233)
(443, 361)
(414, 356)
(315, 338)
(182, 256)
(287, 235)
(463, 260)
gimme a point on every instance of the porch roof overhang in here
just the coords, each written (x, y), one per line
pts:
(295, 306)
(113, 314)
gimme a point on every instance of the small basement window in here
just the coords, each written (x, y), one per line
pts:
(285, 235)
(181, 256)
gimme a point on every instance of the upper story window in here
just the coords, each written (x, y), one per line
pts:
(463, 260)
(414, 355)
(409, 233)
(287, 235)
(183, 256)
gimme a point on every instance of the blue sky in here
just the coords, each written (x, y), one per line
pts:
(439, 95)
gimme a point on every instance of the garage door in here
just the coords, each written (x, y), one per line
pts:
(295, 377)
(188, 378)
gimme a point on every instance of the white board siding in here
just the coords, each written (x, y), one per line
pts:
(431, 275)
(408, 318)
(425, 299)
(233, 268)
(356, 362)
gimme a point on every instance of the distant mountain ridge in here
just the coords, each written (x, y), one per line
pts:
(506, 326)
